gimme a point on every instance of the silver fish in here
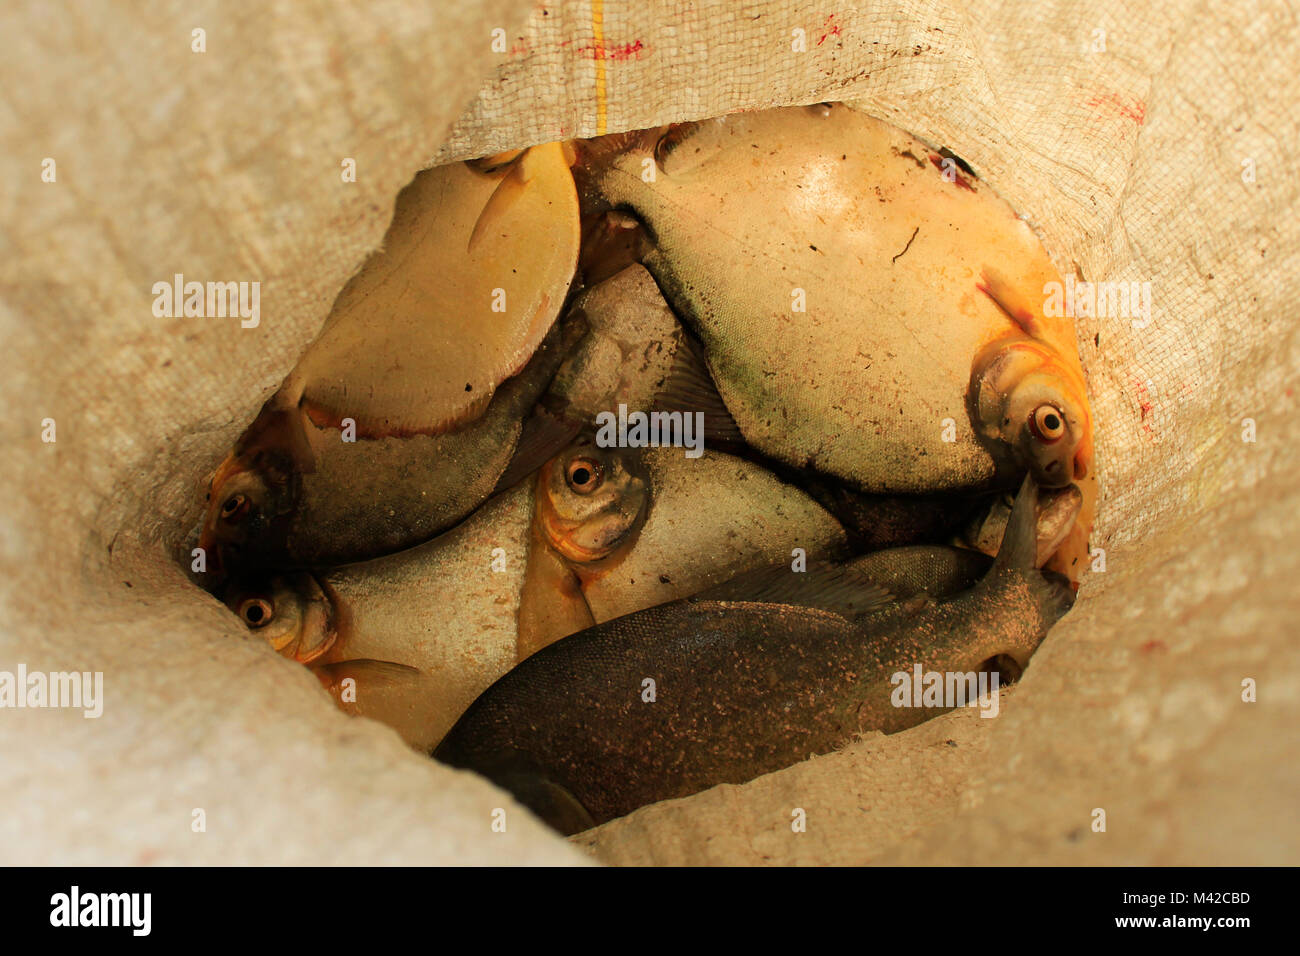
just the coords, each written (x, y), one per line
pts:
(634, 528)
(447, 610)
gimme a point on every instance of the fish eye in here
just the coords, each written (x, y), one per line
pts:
(583, 475)
(256, 612)
(1047, 423)
(234, 507)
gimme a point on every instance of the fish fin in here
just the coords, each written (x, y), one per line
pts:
(1019, 549)
(1051, 592)
(494, 163)
(939, 571)
(829, 587)
(544, 436)
(527, 778)
(387, 673)
(1009, 299)
(375, 430)
(556, 805)
(508, 191)
(690, 388)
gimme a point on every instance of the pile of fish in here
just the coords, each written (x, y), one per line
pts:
(638, 465)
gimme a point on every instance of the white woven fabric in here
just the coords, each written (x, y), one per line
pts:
(1151, 144)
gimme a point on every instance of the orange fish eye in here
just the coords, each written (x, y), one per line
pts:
(583, 475)
(256, 612)
(234, 507)
(1047, 424)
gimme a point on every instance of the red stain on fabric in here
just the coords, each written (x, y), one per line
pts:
(1151, 646)
(1146, 406)
(959, 179)
(628, 51)
(832, 29)
(1129, 107)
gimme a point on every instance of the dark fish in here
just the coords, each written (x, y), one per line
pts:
(748, 678)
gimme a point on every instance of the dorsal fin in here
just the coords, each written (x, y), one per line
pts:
(1011, 301)
(544, 436)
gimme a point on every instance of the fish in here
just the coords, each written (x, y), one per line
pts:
(823, 253)
(635, 354)
(406, 411)
(621, 529)
(741, 680)
(446, 611)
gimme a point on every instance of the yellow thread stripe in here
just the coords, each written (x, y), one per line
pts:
(598, 35)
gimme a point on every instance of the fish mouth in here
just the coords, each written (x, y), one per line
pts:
(1053, 475)
(210, 537)
(563, 537)
(212, 554)
(321, 617)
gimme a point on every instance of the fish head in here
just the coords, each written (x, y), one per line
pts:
(1024, 396)
(291, 612)
(248, 500)
(590, 500)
